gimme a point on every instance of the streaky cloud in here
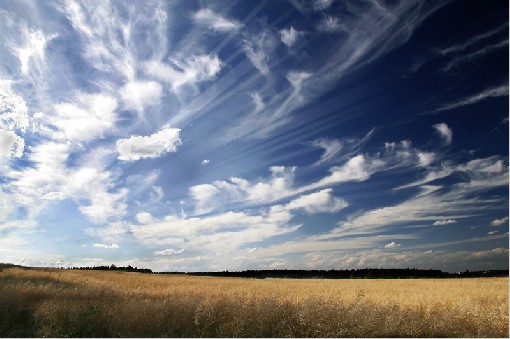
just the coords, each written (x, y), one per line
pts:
(493, 92)
(474, 55)
(215, 21)
(472, 41)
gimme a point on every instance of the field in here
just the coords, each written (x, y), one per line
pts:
(63, 303)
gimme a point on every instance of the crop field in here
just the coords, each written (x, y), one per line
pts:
(73, 303)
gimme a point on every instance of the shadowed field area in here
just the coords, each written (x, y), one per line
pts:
(63, 303)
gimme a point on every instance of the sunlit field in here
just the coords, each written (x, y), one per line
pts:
(58, 303)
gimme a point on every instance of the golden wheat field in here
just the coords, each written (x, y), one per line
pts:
(72, 303)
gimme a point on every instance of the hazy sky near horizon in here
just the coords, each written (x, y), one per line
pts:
(232, 135)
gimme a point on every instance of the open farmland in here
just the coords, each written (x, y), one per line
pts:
(57, 303)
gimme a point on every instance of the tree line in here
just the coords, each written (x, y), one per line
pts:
(364, 273)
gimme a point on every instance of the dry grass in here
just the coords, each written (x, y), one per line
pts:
(59, 303)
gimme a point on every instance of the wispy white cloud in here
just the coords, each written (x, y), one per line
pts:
(234, 230)
(456, 203)
(280, 185)
(221, 232)
(144, 218)
(49, 178)
(289, 36)
(112, 232)
(13, 109)
(331, 148)
(169, 252)
(112, 246)
(472, 41)
(320, 5)
(34, 49)
(142, 147)
(499, 222)
(89, 117)
(259, 47)
(444, 131)
(258, 102)
(475, 55)
(11, 145)
(211, 196)
(185, 71)
(264, 119)
(54, 196)
(494, 92)
(205, 162)
(136, 95)
(331, 24)
(318, 202)
(14, 121)
(445, 222)
(215, 21)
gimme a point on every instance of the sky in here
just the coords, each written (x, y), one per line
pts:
(235, 135)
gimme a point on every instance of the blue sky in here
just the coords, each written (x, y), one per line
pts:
(232, 135)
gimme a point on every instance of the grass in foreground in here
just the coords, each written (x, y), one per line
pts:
(64, 303)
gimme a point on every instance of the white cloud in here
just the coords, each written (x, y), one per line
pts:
(219, 193)
(392, 245)
(358, 168)
(113, 232)
(11, 145)
(221, 232)
(476, 54)
(88, 118)
(426, 158)
(472, 41)
(499, 222)
(33, 51)
(318, 202)
(169, 252)
(13, 109)
(104, 206)
(54, 196)
(444, 131)
(258, 102)
(215, 21)
(48, 174)
(281, 183)
(494, 92)
(320, 5)
(139, 94)
(296, 78)
(332, 148)
(105, 246)
(142, 147)
(330, 24)
(14, 121)
(144, 218)
(433, 174)
(49, 178)
(488, 171)
(205, 162)
(457, 203)
(259, 48)
(445, 222)
(108, 35)
(289, 36)
(186, 71)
